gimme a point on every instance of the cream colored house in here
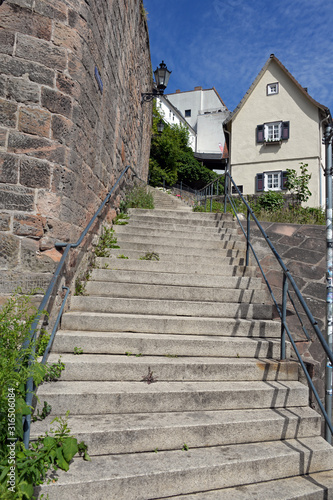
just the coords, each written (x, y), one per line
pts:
(276, 126)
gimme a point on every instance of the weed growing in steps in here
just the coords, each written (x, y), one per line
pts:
(138, 197)
(122, 256)
(78, 350)
(106, 241)
(150, 256)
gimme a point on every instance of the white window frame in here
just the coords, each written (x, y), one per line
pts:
(273, 132)
(273, 88)
(272, 180)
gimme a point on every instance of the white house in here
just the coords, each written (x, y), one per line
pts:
(173, 116)
(276, 126)
(205, 112)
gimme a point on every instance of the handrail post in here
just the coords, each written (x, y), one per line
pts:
(225, 191)
(217, 187)
(205, 199)
(248, 238)
(284, 316)
(211, 197)
(181, 186)
(329, 273)
(163, 183)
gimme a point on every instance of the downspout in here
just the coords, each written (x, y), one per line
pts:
(320, 166)
(329, 270)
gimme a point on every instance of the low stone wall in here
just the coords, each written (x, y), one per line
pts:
(303, 250)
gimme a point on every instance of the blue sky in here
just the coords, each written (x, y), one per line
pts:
(225, 43)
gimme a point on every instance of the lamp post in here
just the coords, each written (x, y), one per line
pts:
(162, 75)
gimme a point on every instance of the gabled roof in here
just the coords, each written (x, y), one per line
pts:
(325, 111)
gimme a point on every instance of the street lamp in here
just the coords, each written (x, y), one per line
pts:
(162, 75)
(160, 126)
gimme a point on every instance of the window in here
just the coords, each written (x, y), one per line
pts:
(234, 190)
(187, 113)
(272, 88)
(271, 181)
(272, 132)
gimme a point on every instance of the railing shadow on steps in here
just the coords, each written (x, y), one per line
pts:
(210, 192)
(52, 288)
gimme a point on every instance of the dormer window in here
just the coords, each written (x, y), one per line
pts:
(272, 88)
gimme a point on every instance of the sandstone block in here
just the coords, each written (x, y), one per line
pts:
(65, 36)
(22, 90)
(67, 85)
(9, 251)
(16, 198)
(48, 204)
(61, 129)
(3, 137)
(7, 39)
(56, 102)
(24, 20)
(56, 10)
(32, 259)
(34, 121)
(35, 173)
(46, 243)
(31, 226)
(41, 52)
(8, 168)
(38, 147)
(18, 67)
(7, 113)
(4, 222)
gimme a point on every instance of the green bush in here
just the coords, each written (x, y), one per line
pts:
(271, 201)
(139, 198)
(25, 468)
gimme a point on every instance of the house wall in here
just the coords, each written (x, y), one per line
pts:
(197, 101)
(304, 144)
(210, 132)
(63, 141)
(172, 118)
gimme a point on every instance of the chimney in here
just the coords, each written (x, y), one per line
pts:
(178, 91)
(197, 88)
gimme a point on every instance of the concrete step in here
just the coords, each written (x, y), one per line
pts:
(169, 245)
(180, 255)
(171, 307)
(172, 230)
(190, 225)
(197, 293)
(207, 216)
(88, 398)
(175, 279)
(170, 267)
(146, 476)
(203, 369)
(132, 433)
(317, 486)
(107, 322)
(161, 344)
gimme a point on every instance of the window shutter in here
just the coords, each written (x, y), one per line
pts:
(284, 180)
(285, 130)
(259, 182)
(260, 133)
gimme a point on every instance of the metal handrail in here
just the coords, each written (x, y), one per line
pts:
(30, 389)
(287, 279)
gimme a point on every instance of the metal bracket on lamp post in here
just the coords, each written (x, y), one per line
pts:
(149, 96)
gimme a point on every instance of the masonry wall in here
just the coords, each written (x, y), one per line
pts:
(303, 250)
(71, 77)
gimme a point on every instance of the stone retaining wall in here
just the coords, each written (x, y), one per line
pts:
(71, 77)
(303, 250)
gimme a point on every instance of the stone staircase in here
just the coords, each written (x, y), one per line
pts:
(178, 392)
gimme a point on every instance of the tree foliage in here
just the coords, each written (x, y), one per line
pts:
(171, 158)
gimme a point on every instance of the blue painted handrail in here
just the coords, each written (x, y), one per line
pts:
(30, 389)
(208, 192)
